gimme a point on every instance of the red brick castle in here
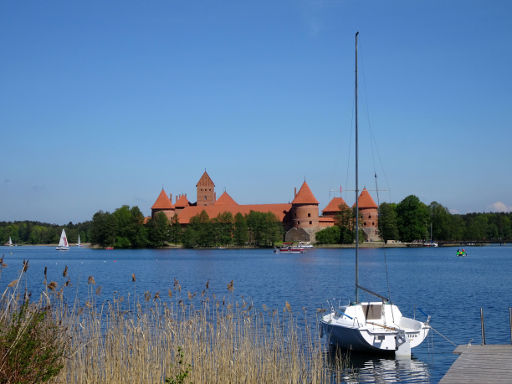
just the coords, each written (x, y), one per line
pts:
(300, 218)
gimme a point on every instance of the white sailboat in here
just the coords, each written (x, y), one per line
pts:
(376, 326)
(9, 243)
(63, 242)
(78, 244)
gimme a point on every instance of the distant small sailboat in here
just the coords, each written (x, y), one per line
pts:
(9, 243)
(63, 242)
(78, 244)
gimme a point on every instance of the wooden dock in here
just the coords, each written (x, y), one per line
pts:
(481, 364)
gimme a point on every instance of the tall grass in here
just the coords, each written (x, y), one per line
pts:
(180, 339)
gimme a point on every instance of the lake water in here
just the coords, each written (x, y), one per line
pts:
(451, 289)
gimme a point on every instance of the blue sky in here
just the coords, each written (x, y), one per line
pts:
(103, 103)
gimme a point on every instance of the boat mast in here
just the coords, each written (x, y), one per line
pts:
(357, 187)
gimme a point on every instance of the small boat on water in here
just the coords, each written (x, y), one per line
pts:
(63, 242)
(9, 243)
(430, 243)
(305, 244)
(289, 248)
(78, 244)
(461, 252)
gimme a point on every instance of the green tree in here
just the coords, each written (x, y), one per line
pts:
(330, 235)
(413, 216)
(441, 222)
(199, 232)
(388, 222)
(264, 229)
(175, 231)
(241, 231)
(158, 232)
(345, 220)
(476, 227)
(223, 226)
(457, 227)
(103, 229)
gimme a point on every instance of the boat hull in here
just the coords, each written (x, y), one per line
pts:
(62, 248)
(382, 334)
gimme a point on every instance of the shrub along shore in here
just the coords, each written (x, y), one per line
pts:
(153, 338)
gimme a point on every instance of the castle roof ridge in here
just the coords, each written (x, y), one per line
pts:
(162, 201)
(205, 180)
(365, 200)
(334, 205)
(305, 196)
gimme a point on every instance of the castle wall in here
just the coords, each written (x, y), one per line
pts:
(369, 218)
(305, 216)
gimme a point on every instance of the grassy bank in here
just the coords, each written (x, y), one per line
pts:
(175, 337)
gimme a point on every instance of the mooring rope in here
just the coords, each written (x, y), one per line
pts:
(443, 336)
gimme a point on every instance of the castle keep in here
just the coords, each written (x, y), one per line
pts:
(300, 218)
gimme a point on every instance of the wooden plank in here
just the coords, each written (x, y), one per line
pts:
(481, 364)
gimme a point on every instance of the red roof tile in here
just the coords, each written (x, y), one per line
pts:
(162, 202)
(205, 180)
(225, 199)
(182, 202)
(334, 205)
(305, 196)
(366, 201)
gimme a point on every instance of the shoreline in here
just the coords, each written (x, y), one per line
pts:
(371, 245)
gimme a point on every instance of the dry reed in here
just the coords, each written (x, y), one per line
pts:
(215, 341)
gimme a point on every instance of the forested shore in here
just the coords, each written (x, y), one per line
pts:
(407, 221)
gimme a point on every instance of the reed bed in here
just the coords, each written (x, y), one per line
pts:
(193, 338)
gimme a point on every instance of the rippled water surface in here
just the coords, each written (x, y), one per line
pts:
(451, 289)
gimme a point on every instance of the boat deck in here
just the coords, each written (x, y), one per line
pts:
(481, 364)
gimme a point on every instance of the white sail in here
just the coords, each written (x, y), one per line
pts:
(78, 244)
(63, 242)
(9, 243)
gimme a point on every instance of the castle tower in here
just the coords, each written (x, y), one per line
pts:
(163, 204)
(369, 216)
(305, 208)
(205, 191)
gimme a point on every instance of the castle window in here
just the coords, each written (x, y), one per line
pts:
(373, 223)
(298, 222)
(369, 216)
(210, 189)
(205, 197)
(309, 215)
(310, 222)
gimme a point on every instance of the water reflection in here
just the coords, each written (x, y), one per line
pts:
(363, 368)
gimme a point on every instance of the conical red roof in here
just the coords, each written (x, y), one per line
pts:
(225, 199)
(334, 205)
(366, 201)
(182, 202)
(162, 202)
(305, 196)
(205, 180)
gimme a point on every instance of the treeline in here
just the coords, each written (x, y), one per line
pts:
(412, 220)
(125, 228)
(35, 232)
